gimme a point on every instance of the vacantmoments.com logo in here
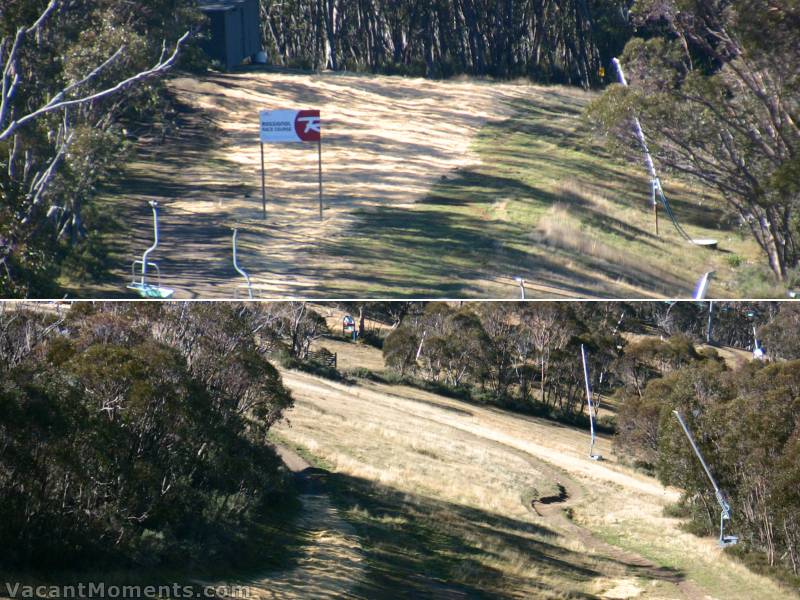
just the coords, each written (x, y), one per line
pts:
(92, 589)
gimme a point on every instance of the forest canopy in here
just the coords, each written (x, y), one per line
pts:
(558, 41)
(135, 435)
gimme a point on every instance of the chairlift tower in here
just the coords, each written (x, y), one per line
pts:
(592, 455)
(710, 321)
(656, 190)
(725, 507)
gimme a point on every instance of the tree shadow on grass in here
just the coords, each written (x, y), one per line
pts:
(183, 243)
(454, 243)
(455, 250)
(542, 121)
(456, 222)
(419, 547)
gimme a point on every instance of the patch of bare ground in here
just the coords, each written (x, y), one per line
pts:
(332, 563)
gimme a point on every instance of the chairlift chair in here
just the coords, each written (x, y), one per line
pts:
(521, 283)
(592, 454)
(239, 270)
(141, 285)
(758, 351)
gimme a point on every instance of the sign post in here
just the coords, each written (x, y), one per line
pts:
(320, 177)
(289, 126)
(263, 184)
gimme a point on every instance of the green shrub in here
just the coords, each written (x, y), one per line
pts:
(734, 260)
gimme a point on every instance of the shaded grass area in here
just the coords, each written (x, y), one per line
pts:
(421, 547)
(720, 580)
(752, 558)
(758, 563)
(547, 204)
(124, 219)
(418, 547)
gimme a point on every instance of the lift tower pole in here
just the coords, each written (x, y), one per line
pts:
(589, 401)
(724, 540)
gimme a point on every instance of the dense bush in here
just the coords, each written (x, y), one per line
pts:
(133, 434)
(747, 425)
(779, 337)
(524, 356)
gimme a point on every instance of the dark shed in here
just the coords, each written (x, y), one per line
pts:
(234, 28)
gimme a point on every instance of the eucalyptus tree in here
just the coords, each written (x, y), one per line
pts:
(716, 86)
(553, 40)
(746, 425)
(70, 71)
(134, 434)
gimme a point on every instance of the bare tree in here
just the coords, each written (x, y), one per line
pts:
(48, 121)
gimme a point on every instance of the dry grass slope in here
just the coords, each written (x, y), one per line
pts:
(432, 188)
(460, 478)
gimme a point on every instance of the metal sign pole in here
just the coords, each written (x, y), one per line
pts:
(263, 184)
(320, 176)
(655, 210)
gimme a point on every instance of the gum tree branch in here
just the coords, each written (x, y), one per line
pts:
(58, 103)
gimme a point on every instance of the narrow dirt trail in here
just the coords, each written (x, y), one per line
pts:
(555, 513)
(332, 562)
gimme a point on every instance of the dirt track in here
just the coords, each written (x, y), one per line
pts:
(332, 562)
(389, 434)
